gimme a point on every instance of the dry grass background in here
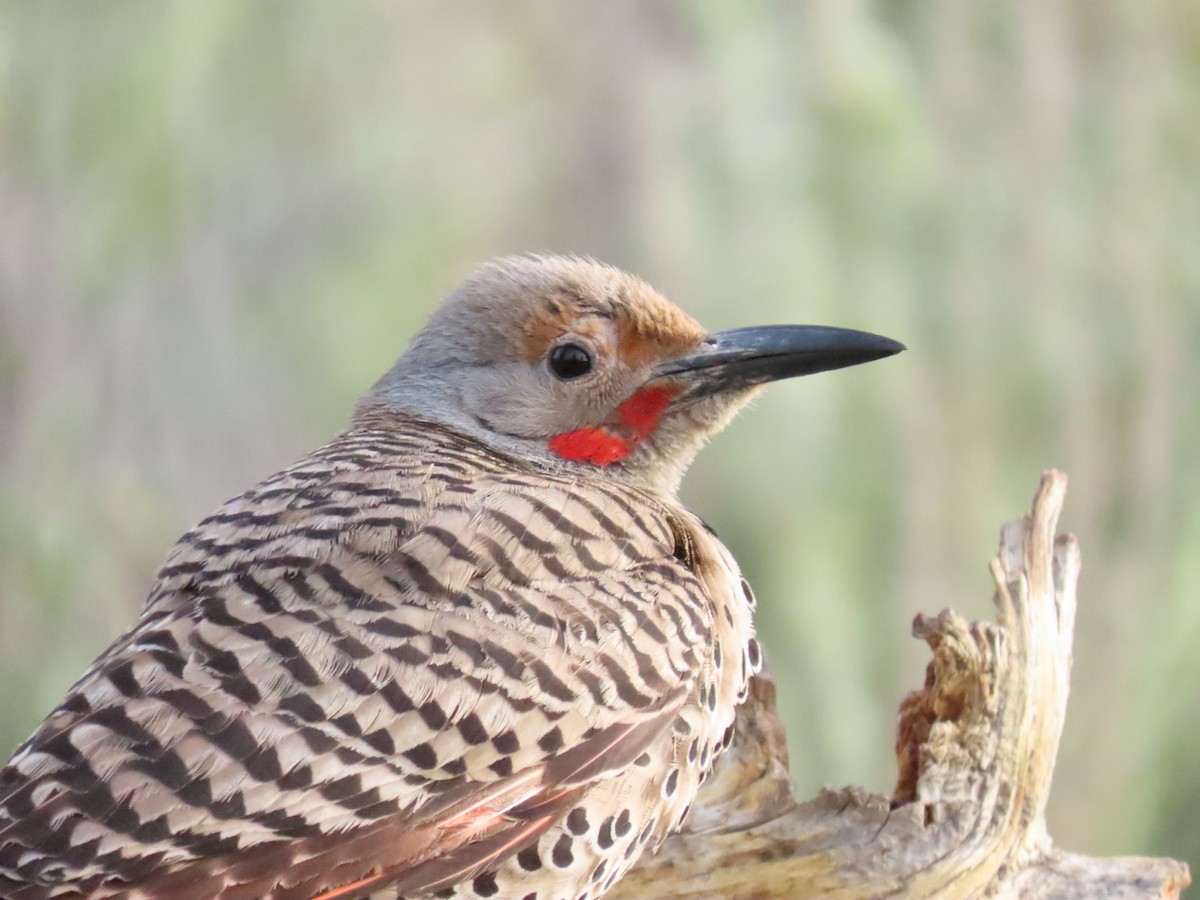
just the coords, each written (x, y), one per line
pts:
(222, 220)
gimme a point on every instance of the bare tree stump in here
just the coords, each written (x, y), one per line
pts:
(976, 749)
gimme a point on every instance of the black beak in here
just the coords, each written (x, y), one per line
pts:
(744, 357)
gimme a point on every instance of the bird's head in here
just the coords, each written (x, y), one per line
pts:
(570, 363)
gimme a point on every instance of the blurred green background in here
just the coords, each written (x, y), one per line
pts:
(221, 221)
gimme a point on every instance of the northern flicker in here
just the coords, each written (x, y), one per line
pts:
(473, 647)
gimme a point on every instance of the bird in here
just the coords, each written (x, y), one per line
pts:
(473, 647)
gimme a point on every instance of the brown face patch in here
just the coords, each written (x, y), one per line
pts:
(559, 313)
(651, 328)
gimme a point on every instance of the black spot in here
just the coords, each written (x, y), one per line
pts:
(263, 764)
(672, 782)
(577, 821)
(623, 823)
(529, 860)
(748, 594)
(645, 835)
(485, 884)
(454, 766)
(231, 807)
(693, 750)
(348, 786)
(349, 757)
(123, 680)
(231, 736)
(358, 682)
(317, 741)
(304, 707)
(149, 832)
(562, 854)
(301, 671)
(197, 793)
(76, 703)
(433, 715)
(502, 767)
(712, 698)
(727, 738)
(507, 742)
(408, 654)
(297, 779)
(375, 810)
(167, 768)
(716, 654)
(472, 730)
(348, 724)
(643, 760)
(422, 756)
(395, 697)
(755, 653)
(381, 741)
(390, 628)
(471, 648)
(598, 872)
(551, 683)
(604, 837)
(551, 741)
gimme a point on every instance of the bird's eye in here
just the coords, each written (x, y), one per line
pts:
(569, 361)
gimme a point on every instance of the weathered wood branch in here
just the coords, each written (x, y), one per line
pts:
(975, 747)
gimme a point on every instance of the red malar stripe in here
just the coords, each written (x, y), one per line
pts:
(645, 408)
(593, 445)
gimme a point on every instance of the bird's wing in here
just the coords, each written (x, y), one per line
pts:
(378, 684)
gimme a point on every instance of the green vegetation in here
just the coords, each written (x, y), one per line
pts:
(222, 220)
